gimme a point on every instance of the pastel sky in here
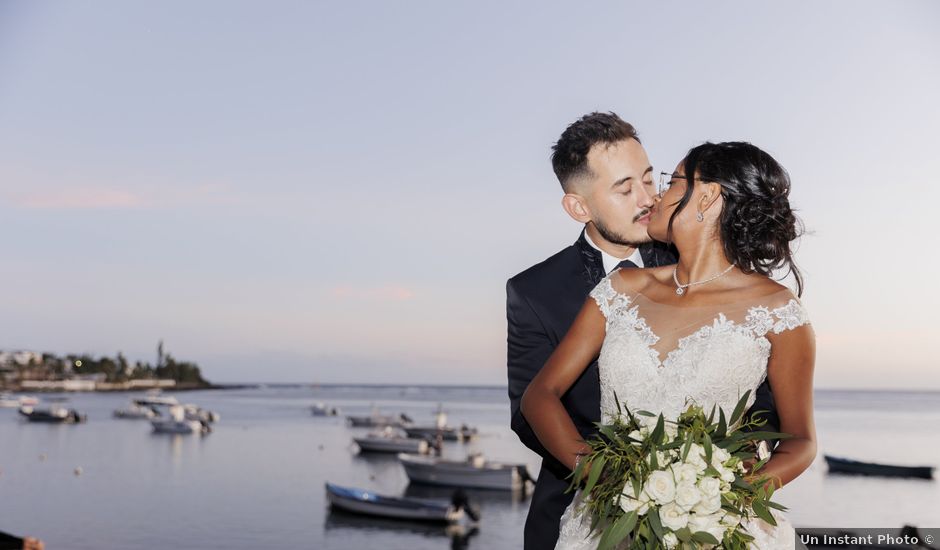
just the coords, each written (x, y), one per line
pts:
(337, 191)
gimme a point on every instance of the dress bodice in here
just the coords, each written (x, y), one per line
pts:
(660, 358)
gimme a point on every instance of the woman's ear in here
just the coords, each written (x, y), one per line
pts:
(711, 192)
(576, 207)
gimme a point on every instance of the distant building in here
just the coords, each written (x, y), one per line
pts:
(19, 358)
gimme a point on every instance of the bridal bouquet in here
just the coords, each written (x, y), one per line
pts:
(659, 483)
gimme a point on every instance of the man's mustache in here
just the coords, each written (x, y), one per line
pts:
(640, 214)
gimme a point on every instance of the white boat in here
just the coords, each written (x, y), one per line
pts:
(376, 420)
(10, 401)
(136, 412)
(473, 473)
(321, 409)
(156, 398)
(391, 441)
(52, 415)
(177, 423)
(194, 412)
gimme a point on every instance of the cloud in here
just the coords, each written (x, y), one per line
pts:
(79, 199)
(114, 198)
(387, 293)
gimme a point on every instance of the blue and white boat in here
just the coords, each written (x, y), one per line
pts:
(360, 501)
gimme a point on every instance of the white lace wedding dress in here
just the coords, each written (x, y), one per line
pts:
(712, 356)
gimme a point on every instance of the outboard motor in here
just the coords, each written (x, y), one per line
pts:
(460, 501)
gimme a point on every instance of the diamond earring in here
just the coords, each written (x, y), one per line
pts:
(700, 217)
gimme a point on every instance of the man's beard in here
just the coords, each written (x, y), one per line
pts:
(614, 238)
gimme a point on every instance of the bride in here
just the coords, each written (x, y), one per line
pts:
(705, 330)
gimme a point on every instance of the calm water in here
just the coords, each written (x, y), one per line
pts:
(257, 480)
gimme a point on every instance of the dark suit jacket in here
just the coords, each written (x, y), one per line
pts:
(541, 304)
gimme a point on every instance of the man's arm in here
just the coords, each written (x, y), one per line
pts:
(529, 347)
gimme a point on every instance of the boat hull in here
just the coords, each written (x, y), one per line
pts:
(367, 503)
(391, 445)
(854, 467)
(491, 476)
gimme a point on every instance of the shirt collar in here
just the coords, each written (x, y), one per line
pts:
(611, 262)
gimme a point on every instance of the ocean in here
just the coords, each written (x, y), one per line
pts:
(257, 481)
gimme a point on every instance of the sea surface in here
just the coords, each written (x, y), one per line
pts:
(257, 481)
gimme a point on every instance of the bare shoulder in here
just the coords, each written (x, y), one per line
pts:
(639, 280)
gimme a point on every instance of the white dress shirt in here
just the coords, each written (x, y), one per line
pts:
(611, 262)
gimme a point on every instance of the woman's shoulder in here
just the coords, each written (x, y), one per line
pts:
(633, 281)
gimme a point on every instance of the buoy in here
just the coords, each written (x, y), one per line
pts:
(78, 471)
(42, 457)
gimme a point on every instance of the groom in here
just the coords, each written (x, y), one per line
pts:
(609, 186)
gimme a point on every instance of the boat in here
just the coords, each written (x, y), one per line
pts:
(156, 398)
(10, 401)
(375, 420)
(447, 433)
(321, 409)
(473, 473)
(177, 423)
(136, 412)
(194, 412)
(390, 440)
(846, 466)
(52, 415)
(360, 501)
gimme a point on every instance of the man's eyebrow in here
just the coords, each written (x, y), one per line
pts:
(621, 181)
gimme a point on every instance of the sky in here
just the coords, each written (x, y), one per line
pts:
(328, 192)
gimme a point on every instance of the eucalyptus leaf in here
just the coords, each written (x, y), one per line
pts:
(614, 534)
(739, 408)
(597, 466)
(704, 537)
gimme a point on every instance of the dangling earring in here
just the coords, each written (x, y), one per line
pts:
(699, 217)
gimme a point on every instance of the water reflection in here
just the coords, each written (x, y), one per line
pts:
(338, 523)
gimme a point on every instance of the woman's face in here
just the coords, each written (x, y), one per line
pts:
(665, 205)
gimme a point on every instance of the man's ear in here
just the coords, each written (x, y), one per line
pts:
(576, 207)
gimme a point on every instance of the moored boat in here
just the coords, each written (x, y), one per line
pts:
(177, 423)
(390, 440)
(447, 433)
(364, 502)
(846, 466)
(473, 473)
(52, 415)
(378, 421)
(136, 412)
(321, 409)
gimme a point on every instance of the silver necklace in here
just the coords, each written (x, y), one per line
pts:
(680, 288)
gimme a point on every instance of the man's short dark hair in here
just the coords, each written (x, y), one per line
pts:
(569, 154)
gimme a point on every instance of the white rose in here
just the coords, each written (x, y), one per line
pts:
(687, 495)
(710, 486)
(684, 472)
(670, 540)
(630, 502)
(708, 505)
(671, 430)
(660, 487)
(696, 457)
(710, 523)
(673, 517)
(726, 475)
(730, 521)
(721, 454)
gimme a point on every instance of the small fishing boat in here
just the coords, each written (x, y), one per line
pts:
(375, 420)
(390, 440)
(52, 415)
(321, 409)
(447, 433)
(10, 401)
(847, 466)
(177, 423)
(360, 501)
(195, 412)
(473, 473)
(136, 412)
(156, 398)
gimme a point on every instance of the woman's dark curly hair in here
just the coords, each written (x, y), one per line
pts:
(757, 224)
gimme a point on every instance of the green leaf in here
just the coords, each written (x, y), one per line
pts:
(707, 443)
(711, 415)
(597, 466)
(722, 429)
(759, 436)
(614, 534)
(684, 534)
(645, 413)
(763, 512)
(776, 505)
(704, 537)
(739, 408)
(655, 524)
(687, 447)
(659, 430)
(617, 401)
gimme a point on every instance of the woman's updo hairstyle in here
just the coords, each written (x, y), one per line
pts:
(757, 224)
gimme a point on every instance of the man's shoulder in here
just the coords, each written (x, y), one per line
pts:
(558, 264)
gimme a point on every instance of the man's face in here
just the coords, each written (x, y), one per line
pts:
(619, 191)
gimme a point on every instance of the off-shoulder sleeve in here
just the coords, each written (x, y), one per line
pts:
(604, 295)
(763, 319)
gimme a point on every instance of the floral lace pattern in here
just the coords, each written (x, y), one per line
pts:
(714, 365)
